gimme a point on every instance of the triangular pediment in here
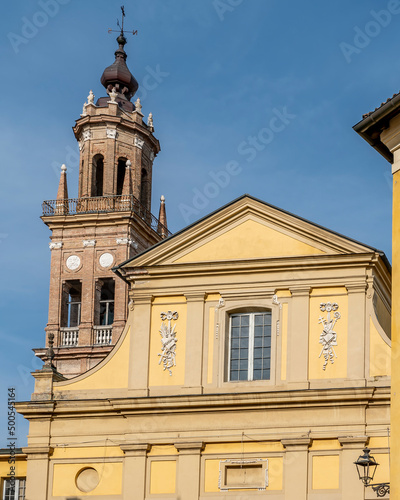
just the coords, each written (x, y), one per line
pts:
(247, 229)
(248, 238)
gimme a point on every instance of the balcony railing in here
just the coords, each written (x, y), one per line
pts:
(69, 336)
(104, 204)
(102, 335)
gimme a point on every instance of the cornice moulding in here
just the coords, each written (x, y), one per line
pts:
(85, 402)
(252, 266)
(123, 124)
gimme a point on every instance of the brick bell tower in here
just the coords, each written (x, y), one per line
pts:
(108, 223)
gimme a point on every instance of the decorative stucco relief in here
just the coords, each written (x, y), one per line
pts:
(168, 340)
(86, 135)
(138, 143)
(89, 243)
(111, 133)
(328, 337)
(55, 245)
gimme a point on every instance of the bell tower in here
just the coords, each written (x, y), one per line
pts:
(109, 222)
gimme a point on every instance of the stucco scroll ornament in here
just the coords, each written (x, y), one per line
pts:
(328, 337)
(168, 340)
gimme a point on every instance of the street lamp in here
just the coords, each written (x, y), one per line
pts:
(366, 468)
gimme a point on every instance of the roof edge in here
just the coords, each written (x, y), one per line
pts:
(117, 269)
(370, 126)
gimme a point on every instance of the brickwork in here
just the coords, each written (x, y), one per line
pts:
(114, 134)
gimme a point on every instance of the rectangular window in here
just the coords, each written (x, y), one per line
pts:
(106, 302)
(250, 346)
(71, 304)
(14, 490)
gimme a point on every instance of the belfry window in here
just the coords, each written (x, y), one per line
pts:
(14, 489)
(71, 304)
(98, 175)
(249, 346)
(105, 314)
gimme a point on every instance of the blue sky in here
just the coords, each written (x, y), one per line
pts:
(259, 95)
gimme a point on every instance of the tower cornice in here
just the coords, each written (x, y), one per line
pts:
(120, 121)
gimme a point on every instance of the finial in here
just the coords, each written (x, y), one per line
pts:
(113, 95)
(50, 352)
(150, 122)
(90, 97)
(138, 105)
(128, 163)
(162, 228)
(84, 113)
(62, 193)
(118, 75)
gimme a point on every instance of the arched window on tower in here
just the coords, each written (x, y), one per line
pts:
(98, 175)
(144, 189)
(121, 174)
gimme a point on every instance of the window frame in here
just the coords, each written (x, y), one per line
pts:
(245, 304)
(99, 302)
(67, 304)
(248, 462)
(17, 492)
(250, 366)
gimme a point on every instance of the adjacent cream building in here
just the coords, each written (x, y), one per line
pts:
(255, 361)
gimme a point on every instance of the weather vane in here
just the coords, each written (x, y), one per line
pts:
(121, 26)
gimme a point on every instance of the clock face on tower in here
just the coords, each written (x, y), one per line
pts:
(73, 262)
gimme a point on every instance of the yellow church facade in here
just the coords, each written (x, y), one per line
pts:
(255, 361)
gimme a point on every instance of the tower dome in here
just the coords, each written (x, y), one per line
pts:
(119, 77)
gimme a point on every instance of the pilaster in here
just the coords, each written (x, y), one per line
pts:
(37, 472)
(194, 340)
(296, 468)
(87, 297)
(356, 330)
(140, 345)
(352, 448)
(56, 264)
(110, 168)
(188, 487)
(137, 166)
(298, 335)
(134, 475)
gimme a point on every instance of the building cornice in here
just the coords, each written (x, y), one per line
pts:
(105, 119)
(267, 401)
(275, 264)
